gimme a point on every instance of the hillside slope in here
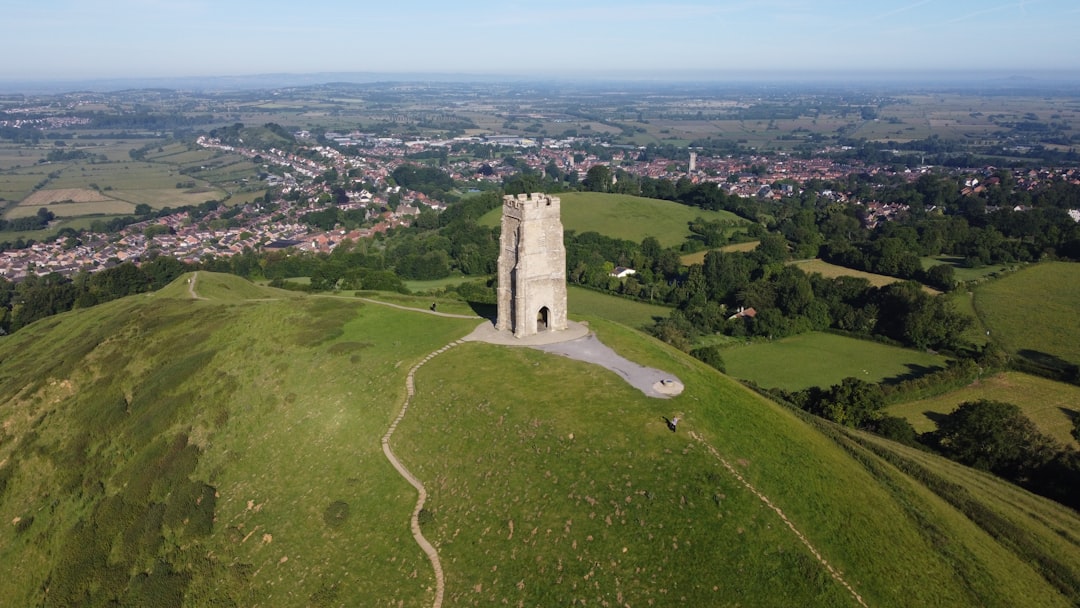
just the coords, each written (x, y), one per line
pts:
(170, 451)
(630, 217)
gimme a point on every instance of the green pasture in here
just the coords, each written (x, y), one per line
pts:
(17, 184)
(1050, 405)
(124, 175)
(965, 303)
(243, 198)
(161, 450)
(169, 197)
(963, 273)
(75, 223)
(71, 210)
(628, 217)
(439, 284)
(14, 156)
(831, 271)
(824, 359)
(581, 301)
(699, 257)
(181, 155)
(1033, 312)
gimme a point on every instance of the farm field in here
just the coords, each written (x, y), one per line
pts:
(115, 187)
(628, 217)
(831, 271)
(963, 273)
(823, 359)
(1033, 312)
(1050, 405)
(699, 257)
(72, 210)
(16, 184)
(581, 301)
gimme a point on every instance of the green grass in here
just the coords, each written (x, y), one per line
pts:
(699, 257)
(159, 450)
(1050, 405)
(628, 217)
(581, 301)
(1033, 312)
(439, 284)
(823, 359)
(585, 495)
(831, 271)
(964, 301)
(963, 273)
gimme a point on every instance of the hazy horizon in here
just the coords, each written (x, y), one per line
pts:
(86, 40)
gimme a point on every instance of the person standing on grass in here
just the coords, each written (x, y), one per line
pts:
(673, 424)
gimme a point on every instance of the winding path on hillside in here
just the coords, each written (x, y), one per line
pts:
(836, 574)
(191, 286)
(414, 521)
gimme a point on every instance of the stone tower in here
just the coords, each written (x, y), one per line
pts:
(532, 266)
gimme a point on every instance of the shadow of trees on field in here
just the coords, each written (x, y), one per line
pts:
(914, 371)
(1047, 365)
(935, 417)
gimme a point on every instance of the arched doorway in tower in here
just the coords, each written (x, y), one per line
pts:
(542, 319)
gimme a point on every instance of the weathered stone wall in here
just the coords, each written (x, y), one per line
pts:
(532, 266)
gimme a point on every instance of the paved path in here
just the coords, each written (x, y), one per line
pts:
(414, 522)
(577, 342)
(836, 574)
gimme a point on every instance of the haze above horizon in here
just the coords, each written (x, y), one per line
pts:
(109, 39)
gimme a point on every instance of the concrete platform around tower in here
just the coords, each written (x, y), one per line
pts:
(486, 332)
(577, 342)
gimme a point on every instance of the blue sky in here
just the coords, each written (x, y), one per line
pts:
(77, 39)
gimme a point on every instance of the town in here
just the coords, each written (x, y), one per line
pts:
(361, 166)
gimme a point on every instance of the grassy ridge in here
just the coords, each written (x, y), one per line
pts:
(159, 450)
(165, 409)
(627, 217)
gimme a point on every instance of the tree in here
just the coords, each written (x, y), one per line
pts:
(994, 436)
(710, 355)
(598, 179)
(941, 276)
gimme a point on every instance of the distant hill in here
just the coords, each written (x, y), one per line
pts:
(629, 217)
(162, 450)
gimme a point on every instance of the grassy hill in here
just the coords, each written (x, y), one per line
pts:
(169, 451)
(629, 217)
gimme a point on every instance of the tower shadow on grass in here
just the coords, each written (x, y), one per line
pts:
(487, 311)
